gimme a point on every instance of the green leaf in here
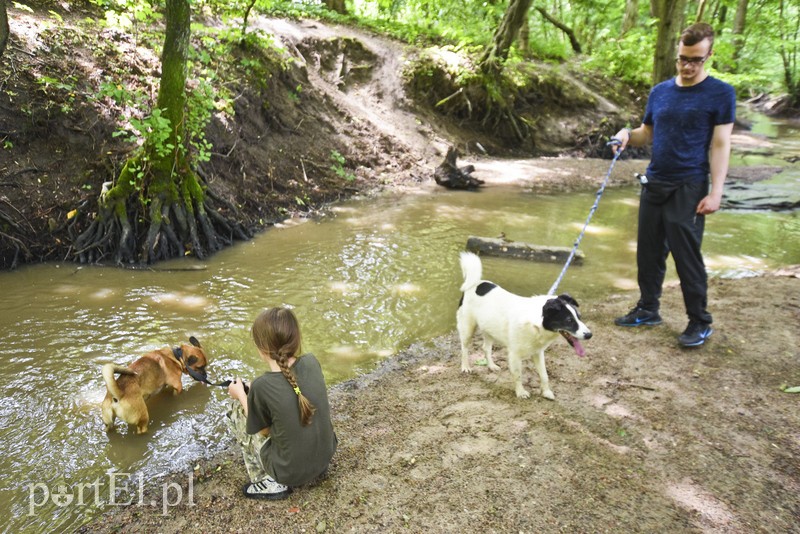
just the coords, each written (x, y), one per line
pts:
(23, 7)
(793, 389)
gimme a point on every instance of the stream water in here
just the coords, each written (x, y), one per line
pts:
(365, 283)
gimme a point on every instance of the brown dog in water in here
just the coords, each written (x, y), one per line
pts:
(126, 395)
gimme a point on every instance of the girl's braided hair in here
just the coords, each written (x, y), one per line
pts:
(276, 332)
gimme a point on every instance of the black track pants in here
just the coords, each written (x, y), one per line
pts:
(673, 227)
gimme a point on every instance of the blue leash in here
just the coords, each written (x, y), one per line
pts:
(589, 218)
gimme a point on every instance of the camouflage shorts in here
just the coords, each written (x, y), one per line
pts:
(250, 443)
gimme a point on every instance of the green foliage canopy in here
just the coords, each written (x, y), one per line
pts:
(767, 61)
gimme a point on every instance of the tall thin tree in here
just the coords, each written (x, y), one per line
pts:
(789, 32)
(701, 10)
(739, 22)
(670, 15)
(631, 17)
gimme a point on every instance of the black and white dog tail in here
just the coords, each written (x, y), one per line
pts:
(472, 269)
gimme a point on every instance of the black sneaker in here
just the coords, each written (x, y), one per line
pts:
(695, 334)
(266, 489)
(638, 317)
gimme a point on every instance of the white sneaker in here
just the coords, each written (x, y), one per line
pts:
(266, 489)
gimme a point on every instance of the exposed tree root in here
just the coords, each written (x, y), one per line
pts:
(142, 227)
(18, 246)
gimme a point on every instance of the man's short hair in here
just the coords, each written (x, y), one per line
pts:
(696, 33)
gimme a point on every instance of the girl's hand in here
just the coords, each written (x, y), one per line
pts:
(236, 390)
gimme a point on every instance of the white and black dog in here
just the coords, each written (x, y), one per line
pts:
(524, 325)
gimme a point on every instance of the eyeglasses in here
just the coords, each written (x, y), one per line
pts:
(684, 61)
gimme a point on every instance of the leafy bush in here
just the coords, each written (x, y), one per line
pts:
(628, 58)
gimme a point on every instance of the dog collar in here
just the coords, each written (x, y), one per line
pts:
(178, 353)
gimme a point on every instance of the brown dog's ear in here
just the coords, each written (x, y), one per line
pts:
(193, 341)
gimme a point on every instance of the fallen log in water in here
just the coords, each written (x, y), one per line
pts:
(492, 246)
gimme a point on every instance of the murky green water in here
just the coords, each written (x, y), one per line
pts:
(365, 283)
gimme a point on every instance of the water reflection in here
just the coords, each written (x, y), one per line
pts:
(365, 283)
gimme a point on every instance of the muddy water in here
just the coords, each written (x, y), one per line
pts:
(365, 283)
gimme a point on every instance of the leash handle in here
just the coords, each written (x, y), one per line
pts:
(226, 383)
(599, 194)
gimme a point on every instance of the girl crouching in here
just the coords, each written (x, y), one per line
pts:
(282, 422)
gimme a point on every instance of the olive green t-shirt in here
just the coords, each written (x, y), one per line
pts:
(295, 454)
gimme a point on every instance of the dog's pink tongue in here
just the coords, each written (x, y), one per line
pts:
(578, 348)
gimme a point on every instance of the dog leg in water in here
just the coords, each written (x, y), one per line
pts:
(108, 418)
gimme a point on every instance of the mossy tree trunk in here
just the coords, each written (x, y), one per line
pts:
(157, 209)
(500, 108)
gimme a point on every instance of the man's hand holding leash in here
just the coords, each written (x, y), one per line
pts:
(620, 140)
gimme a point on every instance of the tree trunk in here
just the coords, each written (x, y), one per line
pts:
(573, 41)
(247, 10)
(788, 50)
(504, 36)
(701, 10)
(631, 18)
(4, 29)
(337, 5)
(739, 22)
(524, 38)
(670, 18)
(157, 209)
(723, 15)
(172, 89)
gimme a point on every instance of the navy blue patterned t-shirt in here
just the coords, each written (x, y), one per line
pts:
(683, 121)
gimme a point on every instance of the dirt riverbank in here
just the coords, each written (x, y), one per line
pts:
(642, 437)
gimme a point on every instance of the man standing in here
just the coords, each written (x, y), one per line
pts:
(688, 120)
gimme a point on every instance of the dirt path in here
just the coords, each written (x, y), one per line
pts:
(642, 437)
(362, 74)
